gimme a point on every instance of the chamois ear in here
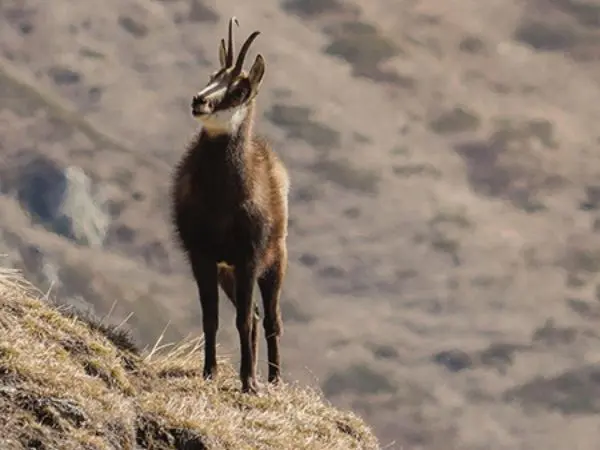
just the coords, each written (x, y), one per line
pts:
(222, 53)
(256, 73)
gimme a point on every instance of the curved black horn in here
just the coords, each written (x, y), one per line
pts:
(242, 55)
(230, 44)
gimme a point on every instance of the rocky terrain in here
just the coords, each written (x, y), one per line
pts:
(444, 278)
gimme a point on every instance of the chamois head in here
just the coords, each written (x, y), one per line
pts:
(229, 88)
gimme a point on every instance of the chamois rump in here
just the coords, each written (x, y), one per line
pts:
(230, 212)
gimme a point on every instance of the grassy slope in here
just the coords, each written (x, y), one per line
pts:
(70, 382)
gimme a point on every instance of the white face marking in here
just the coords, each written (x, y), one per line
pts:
(213, 88)
(229, 119)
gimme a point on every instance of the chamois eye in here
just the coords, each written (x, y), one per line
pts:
(239, 91)
(237, 94)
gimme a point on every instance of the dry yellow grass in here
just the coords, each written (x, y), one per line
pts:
(71, 382)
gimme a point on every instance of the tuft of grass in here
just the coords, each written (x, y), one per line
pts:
(384, 351)
(575, 392)
(571, 27)
(292, 312)
(585, 13)
(545, 37)
(455, 120)
(583, 261)
(472, 44)
(506, 164)
(199, 12)
(298, 123)
(358, 378)
(69, 381)
(312, 8)
(343, 173)
(63, 76)
(362, 46)
(133, 26)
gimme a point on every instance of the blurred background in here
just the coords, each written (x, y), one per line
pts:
(444, 277)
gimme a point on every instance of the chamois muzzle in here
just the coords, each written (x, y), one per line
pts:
(201, 106)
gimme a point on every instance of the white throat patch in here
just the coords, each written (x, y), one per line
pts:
(229, 119)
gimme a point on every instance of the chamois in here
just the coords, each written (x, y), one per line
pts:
(230, 212)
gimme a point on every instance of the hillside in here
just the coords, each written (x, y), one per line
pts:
(444, 276)
(70, 381)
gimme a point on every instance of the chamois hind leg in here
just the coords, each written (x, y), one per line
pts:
(227, 283)
(205, 273)
(270, 284)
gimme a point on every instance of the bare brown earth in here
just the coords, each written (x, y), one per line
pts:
(444, 275)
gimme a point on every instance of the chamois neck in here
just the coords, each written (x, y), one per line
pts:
(221, 149)
(242, 121)
(236, 124)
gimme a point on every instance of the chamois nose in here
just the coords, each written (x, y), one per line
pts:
(198, 101)
(199, 104)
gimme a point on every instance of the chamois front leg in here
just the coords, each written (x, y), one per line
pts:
(270, 284)
(205, 273)
(245, 277)
(227, 282)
